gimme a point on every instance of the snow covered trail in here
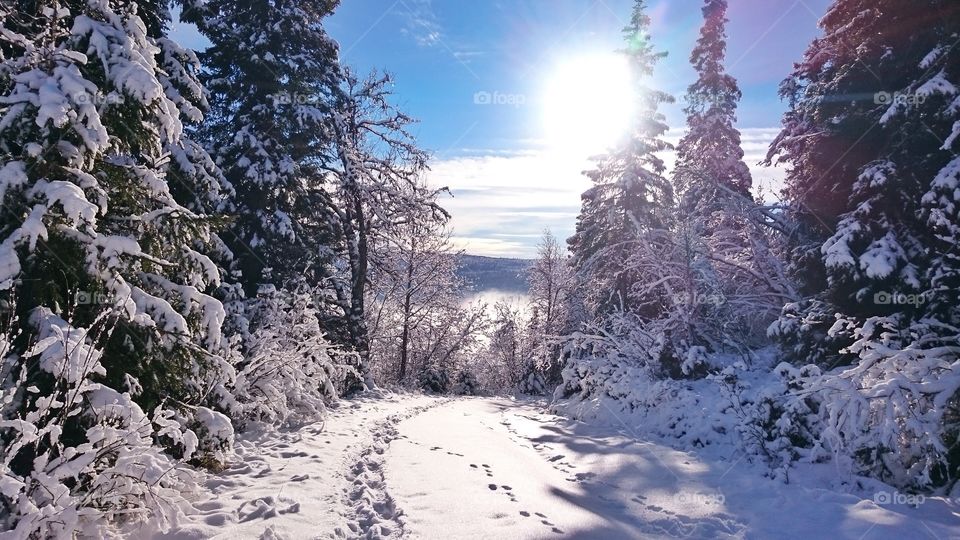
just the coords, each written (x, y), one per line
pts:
(473, 468)
(499, 468)
(323, 480)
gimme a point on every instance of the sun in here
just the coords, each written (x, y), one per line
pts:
(588, 102)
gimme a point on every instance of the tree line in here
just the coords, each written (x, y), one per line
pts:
(851, 274)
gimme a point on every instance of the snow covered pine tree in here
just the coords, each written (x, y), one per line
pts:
(728, 284)
(272, 72)
(625, 215)
(273, 76)
(875, 117)
(630, 197)
(106, 268)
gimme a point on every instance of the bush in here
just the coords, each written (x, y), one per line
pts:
(78, 456)
(773, 421)
(467, 384)
(434, 379)
(289, 371)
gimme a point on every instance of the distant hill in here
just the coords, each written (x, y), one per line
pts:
(494, 273)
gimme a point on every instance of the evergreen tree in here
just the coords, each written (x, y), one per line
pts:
(889, 297)
(710, 164)
(272, 74)
(89, 218)
(630, 198)
(720, 254)
(831, 129)
(873, 93)
(118, 339)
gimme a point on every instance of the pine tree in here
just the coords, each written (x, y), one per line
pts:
(710, 164)
(869, 91)
(719, 270)
(831, 129)
(889, 296)
(630, 197)
(118, 337)
(272, 74)
(89, 218)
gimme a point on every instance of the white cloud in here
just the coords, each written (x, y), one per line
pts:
(421, 22)
(502, 202)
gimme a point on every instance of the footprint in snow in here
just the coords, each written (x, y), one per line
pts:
(557, 457)
(216, 520)
(208, 506)
(299, 477)
(493, 487)
(258, 508)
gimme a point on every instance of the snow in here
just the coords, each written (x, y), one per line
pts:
(413, 466)
(299, 483)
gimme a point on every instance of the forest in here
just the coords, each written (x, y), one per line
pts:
(201, 248)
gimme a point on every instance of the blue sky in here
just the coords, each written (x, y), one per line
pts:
(507, 185)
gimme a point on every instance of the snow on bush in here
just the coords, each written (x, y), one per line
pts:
(77, 455)
(773, 422)
(289, 371)
(435, 379)
(895, 414)
(466, 384)
(614, 378)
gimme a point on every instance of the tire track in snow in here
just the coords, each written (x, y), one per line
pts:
(371, 513)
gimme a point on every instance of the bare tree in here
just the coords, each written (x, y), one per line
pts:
(551, 281)
(374, 170)
(416, 314)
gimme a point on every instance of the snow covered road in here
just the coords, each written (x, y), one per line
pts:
(474, 468)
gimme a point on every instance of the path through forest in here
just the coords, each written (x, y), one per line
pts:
(474, 468)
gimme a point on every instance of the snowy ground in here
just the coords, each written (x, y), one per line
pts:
(422, 467)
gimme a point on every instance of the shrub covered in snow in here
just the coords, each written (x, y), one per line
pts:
(894, 414)
(773, 422)
(289, 371)
(466, 384)
(434, 379)
(77, 455)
